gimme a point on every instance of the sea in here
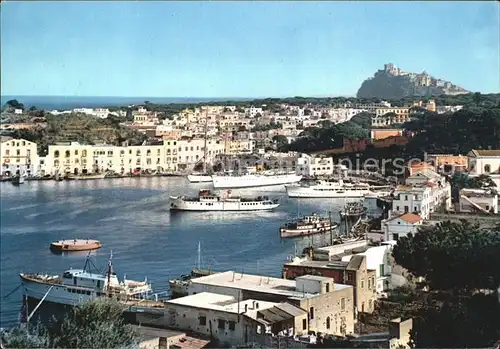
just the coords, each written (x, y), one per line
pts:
(131, 218)
(71, 102)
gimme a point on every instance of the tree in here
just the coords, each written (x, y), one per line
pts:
(452, 256)
(14, 104)
(32, 108)
(96, 324)
(477, 98)
(281, 142)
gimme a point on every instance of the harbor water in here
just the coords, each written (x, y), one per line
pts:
(131, 218)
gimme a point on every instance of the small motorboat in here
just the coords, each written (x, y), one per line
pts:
(75, 245)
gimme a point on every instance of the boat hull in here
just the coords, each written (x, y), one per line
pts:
(58, 294)
(291, 233)
(181, 205)
(253, 181)
(199, 178)
(75, 245)
(309, 192)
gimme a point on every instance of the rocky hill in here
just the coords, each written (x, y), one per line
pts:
(394, 83)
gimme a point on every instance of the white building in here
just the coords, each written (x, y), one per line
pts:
(308, 165)
(474, 200)
(339, 115)
(18, 156)
(330, 305)
(442, 109)
(232, 321)
(412, 199)
(253, 111)
(485, 162)
(400, 225)
(18, 111)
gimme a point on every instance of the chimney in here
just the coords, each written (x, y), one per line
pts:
(246, 308)
(256, 306)
(253, 304)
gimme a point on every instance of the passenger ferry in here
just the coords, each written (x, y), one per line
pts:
(308, 225)
(264, 179)
(329, 189)
(208, 201)
(75, 286)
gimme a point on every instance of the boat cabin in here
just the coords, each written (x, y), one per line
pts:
(83, 278)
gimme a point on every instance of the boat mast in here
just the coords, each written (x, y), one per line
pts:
(331, 227)
(110, 270)
(199, 255)
(205, 143)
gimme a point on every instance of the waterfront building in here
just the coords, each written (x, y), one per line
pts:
(235, 322)
(330, 305)
(17, 156)
(310, 165)
(351, 270)
(474, 200)
(485, 162)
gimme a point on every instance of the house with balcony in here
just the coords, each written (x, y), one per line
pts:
(310, 165)
(17, 156)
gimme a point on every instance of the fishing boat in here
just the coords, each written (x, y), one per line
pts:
(307, 225)
(353, 210)
(75, 286)
(179, 287)
(17, 180)
(208, 201)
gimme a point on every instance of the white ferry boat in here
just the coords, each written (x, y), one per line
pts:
(328, 189)
(75, 286)
(254, 180)
(199, 178)
(208, 201)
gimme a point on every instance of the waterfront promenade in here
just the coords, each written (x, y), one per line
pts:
(131, 216)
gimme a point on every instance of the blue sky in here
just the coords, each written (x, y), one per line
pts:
(241, 49)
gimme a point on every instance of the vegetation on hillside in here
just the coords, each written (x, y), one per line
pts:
(96, 324)
(80, 128)
(461, 266)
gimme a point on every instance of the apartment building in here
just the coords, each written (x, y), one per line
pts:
(17, 156)
(329, 305)
(390, 116)
(232, 321)
(351, 271)
(237, 147)
(308, 165)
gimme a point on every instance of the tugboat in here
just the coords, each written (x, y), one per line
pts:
(353, 210)
(308, 225)
(208, 201)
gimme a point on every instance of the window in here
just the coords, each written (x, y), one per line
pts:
(342, 304)
(203, 320)
(222, 324)
(304, 324)
(232, 325)
(381, 268)
(487, 168)
(406, 209)
(328, 323)
(362, 284)
(395, 236)
(311, 313)
(349, 277)
(327, 287)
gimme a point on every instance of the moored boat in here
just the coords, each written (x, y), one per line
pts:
(75, 286)
(87, 176)
(307, 225)
(265, 179)
(17, 180)
(328, 189)
(353, 210)
(75, 245)
(196, 177)
(208, 201)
